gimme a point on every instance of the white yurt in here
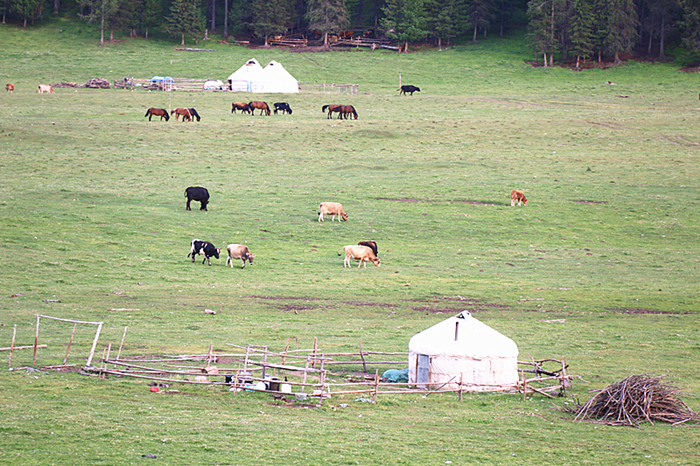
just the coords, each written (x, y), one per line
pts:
(278, 79)
(247, 78)
(462, 349)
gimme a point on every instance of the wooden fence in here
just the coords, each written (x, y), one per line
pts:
(324, 88)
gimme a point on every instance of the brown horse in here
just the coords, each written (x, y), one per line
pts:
(161, 112)
(331, 108)
(346, 110)
(9, 87)
(242, 106)
(185, 112)
(261, 105)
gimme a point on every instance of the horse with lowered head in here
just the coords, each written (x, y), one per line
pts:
(264, 108)
(161, 112)
(346, 110)
(331, 108)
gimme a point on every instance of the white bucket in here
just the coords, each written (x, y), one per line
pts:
(285, 388)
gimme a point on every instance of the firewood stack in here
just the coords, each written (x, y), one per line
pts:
(637, 399)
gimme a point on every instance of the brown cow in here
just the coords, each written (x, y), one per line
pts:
(333, 209)
(363, 254)
(517, 196)
(9, 87)
(239, 251)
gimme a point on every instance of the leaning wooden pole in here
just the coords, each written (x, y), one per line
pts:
(94, 344)
(121, 345)
(12, 346)
(36, 339)
(69, 343)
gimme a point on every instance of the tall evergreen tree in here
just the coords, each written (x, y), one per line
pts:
(443, 19)
(28, 10)
(99, 10)
(327, 16)
(581, 30)
(480, 13)
(542, 31)
(404, 20)
(271, 17)
(151, 15)
(185, 18)
(621, 28)
(690, 25)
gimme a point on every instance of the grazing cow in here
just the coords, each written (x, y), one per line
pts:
(363, 254)
(9, 87)
(205, 248)
(411, 89)
(197, 193)
(194, 113)
(242, 106)
(239, 251)
(517, 196)
(283, 106)
(45, 89)
(370, 244)
(332, 209)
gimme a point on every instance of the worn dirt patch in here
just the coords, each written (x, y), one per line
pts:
(641, 310)
(362, 303)
(431, 201)
(585, 201)
(465, 303)
(295, 307)
(282, 298)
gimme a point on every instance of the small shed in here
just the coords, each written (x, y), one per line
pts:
(462, 350)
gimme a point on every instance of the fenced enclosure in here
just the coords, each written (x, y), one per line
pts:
(325, 88)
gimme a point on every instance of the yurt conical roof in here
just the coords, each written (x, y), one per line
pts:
(247, 78)
(463, 335)
(278, 79)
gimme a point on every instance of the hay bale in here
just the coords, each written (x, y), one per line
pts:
(637, 399)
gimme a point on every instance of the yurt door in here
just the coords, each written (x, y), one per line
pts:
(423, 370)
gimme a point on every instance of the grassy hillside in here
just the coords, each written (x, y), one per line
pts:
(600, 268)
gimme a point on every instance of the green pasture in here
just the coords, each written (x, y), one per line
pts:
(600, 268)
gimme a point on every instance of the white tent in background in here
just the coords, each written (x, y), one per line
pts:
(247, 78)
(462, 349)
(277, 79)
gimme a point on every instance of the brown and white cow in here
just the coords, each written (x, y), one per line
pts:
(333, 209)
(517, 196)
(363, 254)
(239, 251)
(45, 88)
(9, 87)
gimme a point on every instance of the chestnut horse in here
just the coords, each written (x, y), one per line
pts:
(346, 110)
(9, 87)
(161, 112)
(185, 112)
(331, 108)
(261, 105)
(242, 106)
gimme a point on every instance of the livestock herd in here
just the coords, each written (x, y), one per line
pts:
(188, 114)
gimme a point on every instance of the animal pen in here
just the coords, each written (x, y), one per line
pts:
(300, 373)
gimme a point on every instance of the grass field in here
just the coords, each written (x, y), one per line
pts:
(600, 268)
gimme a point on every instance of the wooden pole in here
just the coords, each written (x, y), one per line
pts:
(12, 346)
(313, 362)
(305, 371)
(121, 345)
(208, 361)
(94, 344)
(364, 363)
(8, 348)
(36, 339)
(376, 385)
(284, 354)
(70, 343)
(461, 376)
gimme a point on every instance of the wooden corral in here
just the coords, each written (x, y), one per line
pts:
(178, 84)
(325, 88)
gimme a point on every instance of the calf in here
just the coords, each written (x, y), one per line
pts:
(517, 196)
(363, 254)
(332, 209)
(197, 193)
(239, 251)
(411, 89)
(45, 88)
(205, 248)
(9, 87)
(283, 106)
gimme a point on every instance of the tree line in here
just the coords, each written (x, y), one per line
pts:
(557, 29)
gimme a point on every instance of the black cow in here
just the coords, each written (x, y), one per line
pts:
(284, 106)
(197, 193)
(205, 248)
(411, 89)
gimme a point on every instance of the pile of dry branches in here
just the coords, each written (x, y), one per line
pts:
(636, 399)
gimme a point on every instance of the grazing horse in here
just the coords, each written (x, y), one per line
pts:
(264, 108)
(331, 108)
(9, 87)
(242, 106)
(161, 112)
(346, 110)
(194, 113)
(185, 112)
